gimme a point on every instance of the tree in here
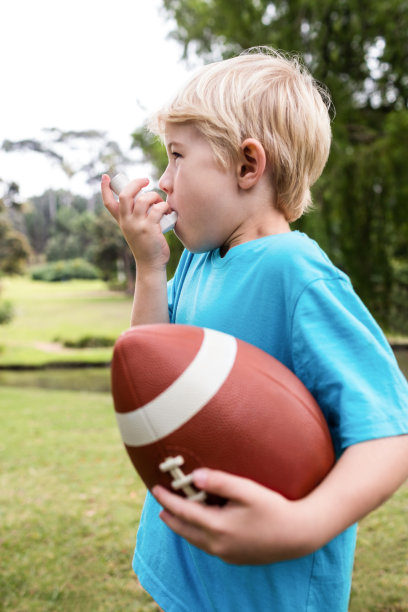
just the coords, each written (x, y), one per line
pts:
(62, 225)
(359, 49)
(98, 153)
(111, 252)
(42, 216)
(73, 231)
(14, 251)
(14, 247)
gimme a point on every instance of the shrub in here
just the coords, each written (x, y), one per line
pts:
(6, 312)
(88, 342)
(64, 270)
(398, 320)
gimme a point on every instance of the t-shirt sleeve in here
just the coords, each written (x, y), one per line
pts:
(343, 358)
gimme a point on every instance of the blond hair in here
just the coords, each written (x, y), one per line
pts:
(269, 96)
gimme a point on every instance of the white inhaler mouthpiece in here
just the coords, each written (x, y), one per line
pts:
(167, 222)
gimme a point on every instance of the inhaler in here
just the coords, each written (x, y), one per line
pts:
(119, 181)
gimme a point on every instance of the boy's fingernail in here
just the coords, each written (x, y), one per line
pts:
(200, 477)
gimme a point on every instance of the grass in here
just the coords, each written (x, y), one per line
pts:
(70, 502)
(380, 580)
(48, 313)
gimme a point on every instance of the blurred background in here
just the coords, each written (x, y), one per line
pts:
(79, 80)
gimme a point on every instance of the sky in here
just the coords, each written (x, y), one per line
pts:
(80, 65)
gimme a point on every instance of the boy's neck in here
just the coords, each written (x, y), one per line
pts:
(275, 224)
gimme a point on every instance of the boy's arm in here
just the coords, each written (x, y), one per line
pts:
(150, 299)
(259, 526)
(142, 232)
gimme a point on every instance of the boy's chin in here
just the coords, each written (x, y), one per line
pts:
(197, 246)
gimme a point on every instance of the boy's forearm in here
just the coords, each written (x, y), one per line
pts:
(150, 300)
(365, 476)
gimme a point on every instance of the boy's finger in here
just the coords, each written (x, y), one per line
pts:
(128, 194)
(187, 530)
(157, 210)
(223, 484)
(185, 510)
(108, 198)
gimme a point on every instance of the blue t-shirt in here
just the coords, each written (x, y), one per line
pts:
(282, 294)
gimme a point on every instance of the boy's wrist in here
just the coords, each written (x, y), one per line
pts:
(150, 300)
(305, 528)
(150, 272)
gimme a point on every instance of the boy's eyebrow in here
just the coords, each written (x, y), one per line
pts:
(173, 143)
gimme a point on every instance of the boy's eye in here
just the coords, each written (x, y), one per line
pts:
(175, 154)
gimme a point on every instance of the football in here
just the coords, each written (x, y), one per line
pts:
(188, 397)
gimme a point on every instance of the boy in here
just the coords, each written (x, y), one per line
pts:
(246, 138)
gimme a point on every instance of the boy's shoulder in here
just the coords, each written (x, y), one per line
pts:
(294, 255)
(295, 262)
(293, 248)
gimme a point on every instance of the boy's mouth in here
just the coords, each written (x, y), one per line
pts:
(169, 204)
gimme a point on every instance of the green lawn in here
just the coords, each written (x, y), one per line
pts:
(69, 505)
(48, 313)
(380, 582)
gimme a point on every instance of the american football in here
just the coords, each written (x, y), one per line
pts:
(188, 397)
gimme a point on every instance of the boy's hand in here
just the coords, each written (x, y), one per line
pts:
(140, 226)
(259, 526)
(256, 525)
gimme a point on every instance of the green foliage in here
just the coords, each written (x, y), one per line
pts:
(14, 249)
(6, 312)
(359, 50)
(44, 217)
(176, 249)
(71, 236)
(87, 342)
(399, 297)
(111, 253)
(65, 270)
(63, 226)
(153, 149)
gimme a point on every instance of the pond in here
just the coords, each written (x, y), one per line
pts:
(95, 379)
(71, 379)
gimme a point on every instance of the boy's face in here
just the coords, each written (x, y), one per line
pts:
(201, 192)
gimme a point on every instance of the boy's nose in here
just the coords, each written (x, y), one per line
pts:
(164, 182)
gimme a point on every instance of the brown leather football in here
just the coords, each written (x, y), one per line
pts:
(188, 397)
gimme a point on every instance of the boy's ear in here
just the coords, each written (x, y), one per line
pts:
(252, 163)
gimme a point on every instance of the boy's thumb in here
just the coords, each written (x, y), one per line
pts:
(222, 483)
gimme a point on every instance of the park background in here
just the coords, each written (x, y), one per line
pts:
(70, 500)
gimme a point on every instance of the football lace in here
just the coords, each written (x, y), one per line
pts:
(181, 481)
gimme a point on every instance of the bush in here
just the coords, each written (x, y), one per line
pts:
(88, 342)
(398, 320)
(6, 312)
(64, 270)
